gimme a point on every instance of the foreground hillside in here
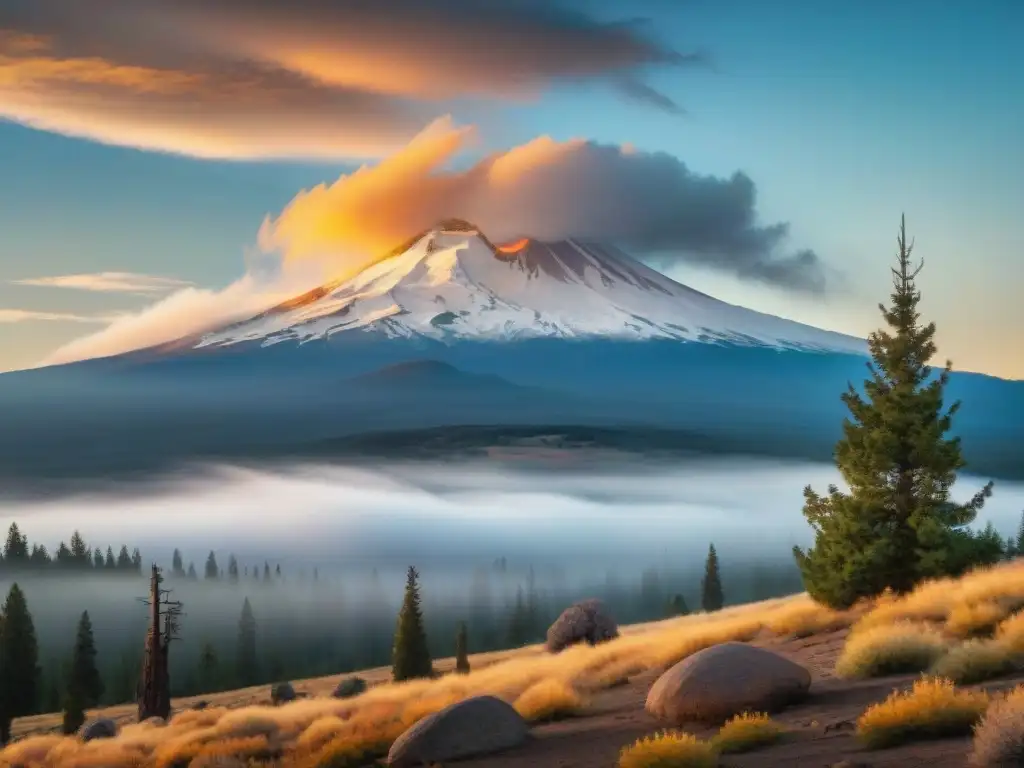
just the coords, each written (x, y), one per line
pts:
(586, 704)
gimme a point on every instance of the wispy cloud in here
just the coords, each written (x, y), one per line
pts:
(305, 78)
(109, 282)
(30, 316)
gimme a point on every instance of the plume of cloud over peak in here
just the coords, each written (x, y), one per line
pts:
(650, 203)
(191, 311)
(301, 79)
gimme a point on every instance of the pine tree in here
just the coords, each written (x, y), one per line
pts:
(711, 598)
(246, 660)
(16, 547)
(97, 559)
(677, 606)
(84, 677)
(84, 685)
(410, 654)
(137, 561)
(211, 572)
(124, 560)
(81, 554)
(517, 621)
(461, 650)
(266, 572)
(1020, 536)
(898, 524)
(208, 666)
(233, 569)
(109, 563)
(19, 662)
(177, 565)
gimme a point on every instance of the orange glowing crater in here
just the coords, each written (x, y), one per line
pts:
(515, 247)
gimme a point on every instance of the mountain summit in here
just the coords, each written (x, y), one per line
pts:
(452, 282)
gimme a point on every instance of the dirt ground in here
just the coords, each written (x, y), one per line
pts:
(616, 718)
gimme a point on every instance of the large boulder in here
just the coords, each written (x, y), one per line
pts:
(481, 725)
(349, 687)
(101, 728)
(725, 680)
(282, 693)
(585, 622)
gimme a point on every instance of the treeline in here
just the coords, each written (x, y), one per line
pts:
(274, 635)
(75, 555)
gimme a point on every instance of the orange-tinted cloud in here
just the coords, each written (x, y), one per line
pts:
(651, 204)
(305, 78)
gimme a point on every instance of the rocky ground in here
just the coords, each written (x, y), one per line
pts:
(821, 728)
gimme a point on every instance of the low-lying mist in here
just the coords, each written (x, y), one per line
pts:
(335, 517)
(322, 551)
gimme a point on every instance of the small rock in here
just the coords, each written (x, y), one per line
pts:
(725, 680)
(349, 687)
(585, 622)
(282, 693)
(200, 705)
(474, 727)
(102, 728)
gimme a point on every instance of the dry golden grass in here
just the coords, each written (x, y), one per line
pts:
(891, 634)
(891, 649)
(803, 617)
(321, 731)
(975, 619)
(999, 736)
(549, 700)
(669, 749)
(933, 708)
(747, 732)
(975, 661)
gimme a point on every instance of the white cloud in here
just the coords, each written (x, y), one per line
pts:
(191, 311)
(28, 316)
(109, 282)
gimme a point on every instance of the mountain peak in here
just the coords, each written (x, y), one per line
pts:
(450, 282)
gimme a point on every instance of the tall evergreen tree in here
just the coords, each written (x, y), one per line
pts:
(462, 650)
(84, 684)
(1019, 543)
(109, 563)
(211, 572)
(137, 561)
(410, 654)
(192, 572)
(898, 524)
(711, 597)
(677, 606)
(232, 569)
(208, 666)
(19, 662)
(266, 572)
(124, 560)
(81, 554)
(246, 660)
(16, 547)
(97, 559)
(177, 565)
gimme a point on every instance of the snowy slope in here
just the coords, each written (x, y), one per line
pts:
(452, 282)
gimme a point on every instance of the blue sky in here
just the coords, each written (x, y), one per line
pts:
(844, 114)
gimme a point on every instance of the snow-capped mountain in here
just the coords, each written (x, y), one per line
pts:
(451, 282)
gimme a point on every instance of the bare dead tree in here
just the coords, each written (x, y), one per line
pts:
(154, 690)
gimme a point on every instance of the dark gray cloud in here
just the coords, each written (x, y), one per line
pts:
(312, 78)
(651, 204)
